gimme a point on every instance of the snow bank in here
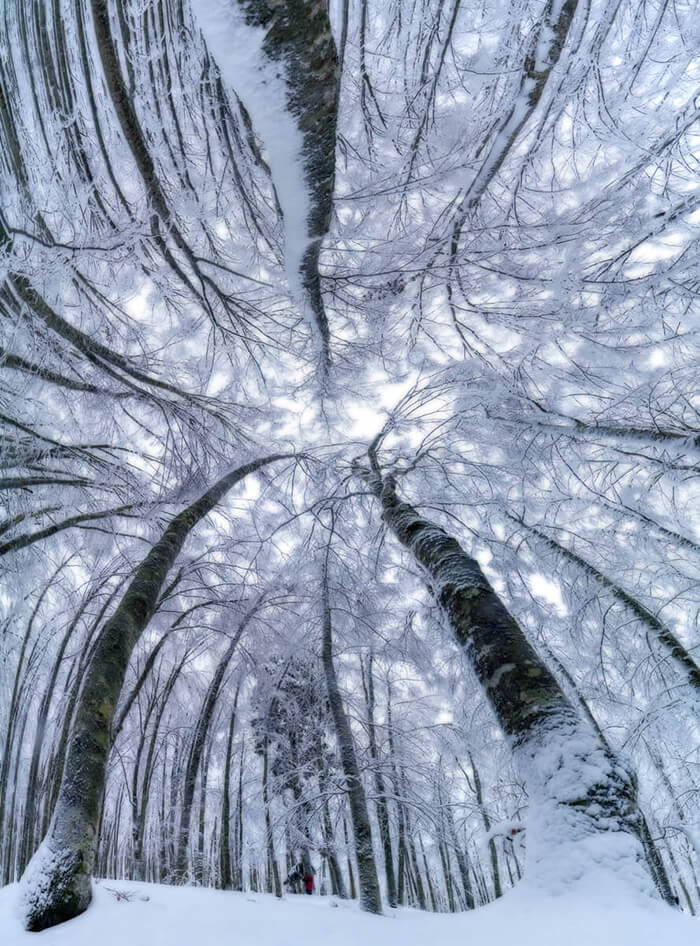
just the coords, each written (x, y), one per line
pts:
(184, 916)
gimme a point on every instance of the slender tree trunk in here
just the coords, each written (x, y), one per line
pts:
(225, 873)
(493, 852)
(656, 628)
(139, 866)
(462, 859)
(269, 837)
(238, 871)
(400, 813)
(351, 872)
(336, 875)
(137, 810)
(447, 874)
(428, 876)
(200, 865)
(56, 885)
(198, 742)
(413, 858)
(13, 719)
(381, 799)
(370, 898)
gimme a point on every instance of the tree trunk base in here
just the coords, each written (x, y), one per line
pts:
(55, 888)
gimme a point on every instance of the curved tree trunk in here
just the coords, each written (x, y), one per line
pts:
(57, 881)
(660, 631)
(583, 812)
(299, 46)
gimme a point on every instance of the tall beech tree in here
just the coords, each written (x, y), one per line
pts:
(580, 789)
(57, 881)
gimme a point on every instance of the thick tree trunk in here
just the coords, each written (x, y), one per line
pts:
(370, 898)
(299, 42)
(72, 688)
(583, 809)
(56, 884)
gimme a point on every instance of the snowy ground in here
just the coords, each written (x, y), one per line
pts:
(185, 916)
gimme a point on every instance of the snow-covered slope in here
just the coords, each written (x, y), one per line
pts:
(185, 916)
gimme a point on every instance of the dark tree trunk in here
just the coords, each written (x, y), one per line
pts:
(400, 813)
(225, 872)
(370, 898)
(580, 792)
(493, 853)
(57, 881)
(381, 799)
(351, 872)
(273, 869)
(299, 41)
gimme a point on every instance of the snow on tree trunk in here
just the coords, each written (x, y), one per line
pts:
(56, 884)
(281, 60)
(583, 814)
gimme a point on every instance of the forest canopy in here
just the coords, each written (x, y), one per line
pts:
(350, 441)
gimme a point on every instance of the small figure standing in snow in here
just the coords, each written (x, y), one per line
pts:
(309, 883)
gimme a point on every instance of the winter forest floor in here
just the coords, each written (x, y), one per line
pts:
(188, 916)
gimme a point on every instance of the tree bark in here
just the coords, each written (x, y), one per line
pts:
(381, 799)
(370, 897)
(225, 873)
(56, 884)
(583, 800)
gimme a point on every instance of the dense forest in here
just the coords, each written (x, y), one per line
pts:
(350, 439)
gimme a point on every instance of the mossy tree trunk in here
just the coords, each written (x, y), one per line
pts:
(583, 811)
(56, 884)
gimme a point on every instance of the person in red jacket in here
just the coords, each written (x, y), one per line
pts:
(309, 884)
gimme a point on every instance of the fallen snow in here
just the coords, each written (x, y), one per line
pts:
(187, 916)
